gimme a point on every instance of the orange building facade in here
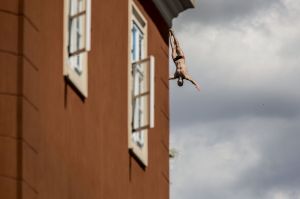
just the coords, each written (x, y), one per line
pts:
(84, 98)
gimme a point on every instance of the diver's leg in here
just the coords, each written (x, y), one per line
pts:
(173, 46)
(179, 51)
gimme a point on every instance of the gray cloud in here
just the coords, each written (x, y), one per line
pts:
(223, 11)
(230, 103)
(281, 163)
(239, 137)
(242, 158)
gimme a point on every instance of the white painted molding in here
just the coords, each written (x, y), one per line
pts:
(170, 9)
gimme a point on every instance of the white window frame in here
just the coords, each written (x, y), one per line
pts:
(140, 151)
(79, 78)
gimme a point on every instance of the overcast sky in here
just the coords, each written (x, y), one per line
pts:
(239, 138)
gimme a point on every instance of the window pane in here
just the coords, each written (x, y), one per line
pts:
(76, 63)
(137, 43)
(77, 6)
(133, 51)
(77, 32)
(139, 138)
(138, 103)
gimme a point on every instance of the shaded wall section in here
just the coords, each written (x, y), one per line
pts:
(19, 108)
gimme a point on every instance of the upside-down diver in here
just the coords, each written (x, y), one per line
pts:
(179, 60)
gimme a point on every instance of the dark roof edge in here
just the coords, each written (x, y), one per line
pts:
(170, 9)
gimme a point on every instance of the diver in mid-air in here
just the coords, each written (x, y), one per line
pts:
(179, 60)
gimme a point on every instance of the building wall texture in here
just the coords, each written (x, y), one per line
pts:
(55, 144)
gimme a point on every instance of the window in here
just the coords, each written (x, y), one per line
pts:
(77, 42)
(141, 86)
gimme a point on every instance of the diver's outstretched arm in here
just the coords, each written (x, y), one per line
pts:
(193, 82)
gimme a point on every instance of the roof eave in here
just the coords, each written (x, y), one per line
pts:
(170, 9)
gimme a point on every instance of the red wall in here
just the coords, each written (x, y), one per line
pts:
(53, 143)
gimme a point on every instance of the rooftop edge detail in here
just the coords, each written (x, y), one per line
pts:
(170, 9)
